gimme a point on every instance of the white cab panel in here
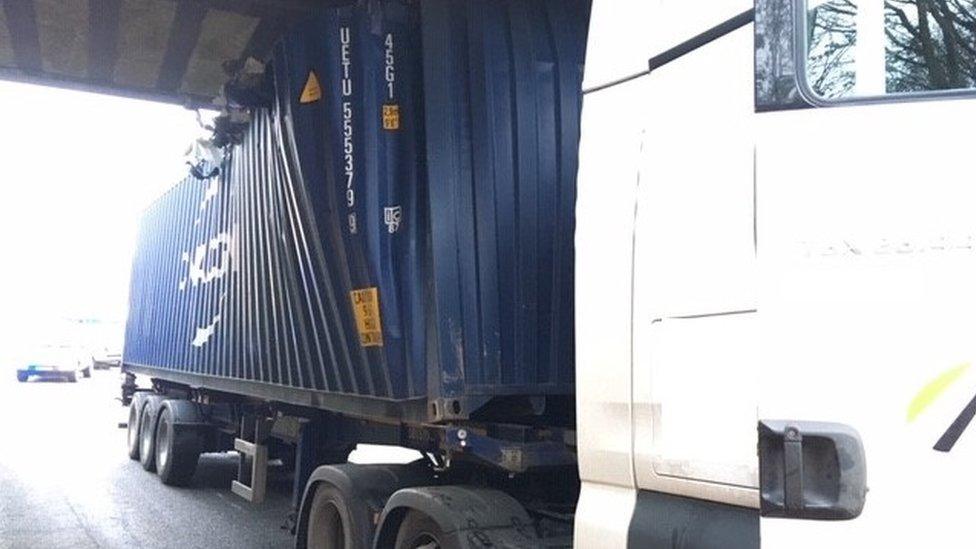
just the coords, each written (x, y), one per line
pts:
(867, 245)
(695, 328)
(604, 250)
(603, 516)
(607, 185)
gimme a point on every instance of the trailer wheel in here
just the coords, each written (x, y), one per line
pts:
(418, 531)
(328, 521)
(147, 433)
(177, 450)
(132, 432)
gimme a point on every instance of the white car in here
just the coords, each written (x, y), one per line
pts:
(105, 358)
(53, 361)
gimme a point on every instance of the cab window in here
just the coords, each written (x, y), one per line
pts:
(857, 49)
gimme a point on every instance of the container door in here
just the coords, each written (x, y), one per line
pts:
(867, 247)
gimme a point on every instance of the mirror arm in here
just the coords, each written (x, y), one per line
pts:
(703, 39)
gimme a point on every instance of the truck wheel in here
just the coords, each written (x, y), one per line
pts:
(177, 450)
(450, 517)
(147, 433)
(418, 531)
(72, 377)
(342, 502)
(86, 372)
(22, 376)
(328, 521)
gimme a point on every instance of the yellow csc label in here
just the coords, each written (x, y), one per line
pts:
(391, 117)
(366, 308)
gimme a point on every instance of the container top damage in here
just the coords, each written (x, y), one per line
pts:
(393, 236)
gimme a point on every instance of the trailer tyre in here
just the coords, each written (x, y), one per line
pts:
(177, 449)
(329, 525)
(420, 531)
(147, 432)
(132, 431)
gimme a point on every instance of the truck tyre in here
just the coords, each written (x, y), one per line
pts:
(22, 376)
(329, 525)
(72, 377)
(420, 531)
(177, 449)
(132, 432)
(341, 502)
(86, 372)
(147, 432)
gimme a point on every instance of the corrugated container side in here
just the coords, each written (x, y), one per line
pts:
(396, 230)
(360, 171)
(502, 88)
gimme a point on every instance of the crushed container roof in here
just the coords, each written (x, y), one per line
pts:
(167, 50)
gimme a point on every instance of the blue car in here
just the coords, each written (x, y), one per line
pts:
(54, 362)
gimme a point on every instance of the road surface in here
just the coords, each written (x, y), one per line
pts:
(66, 481)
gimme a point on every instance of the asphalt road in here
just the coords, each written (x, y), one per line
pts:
(66, 481)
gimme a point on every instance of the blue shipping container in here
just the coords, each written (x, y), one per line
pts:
(394, 237)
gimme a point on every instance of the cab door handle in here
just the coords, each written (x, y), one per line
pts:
(811, 470)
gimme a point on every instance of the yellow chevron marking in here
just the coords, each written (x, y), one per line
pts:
(934, 389)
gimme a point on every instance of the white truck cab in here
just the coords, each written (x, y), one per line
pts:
(776, 235)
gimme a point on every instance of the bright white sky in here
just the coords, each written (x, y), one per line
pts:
(76, 171)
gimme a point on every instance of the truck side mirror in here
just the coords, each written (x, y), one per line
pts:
(811, 470)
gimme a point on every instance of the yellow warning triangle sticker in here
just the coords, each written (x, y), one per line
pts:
(312, 91)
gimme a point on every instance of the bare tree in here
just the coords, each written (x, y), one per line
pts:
(931, 44)
(775, 67)
(831, 38)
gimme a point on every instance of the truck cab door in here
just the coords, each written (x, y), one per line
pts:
(695, 322)
(866, 239)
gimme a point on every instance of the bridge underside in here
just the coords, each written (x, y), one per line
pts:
(167, 50)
